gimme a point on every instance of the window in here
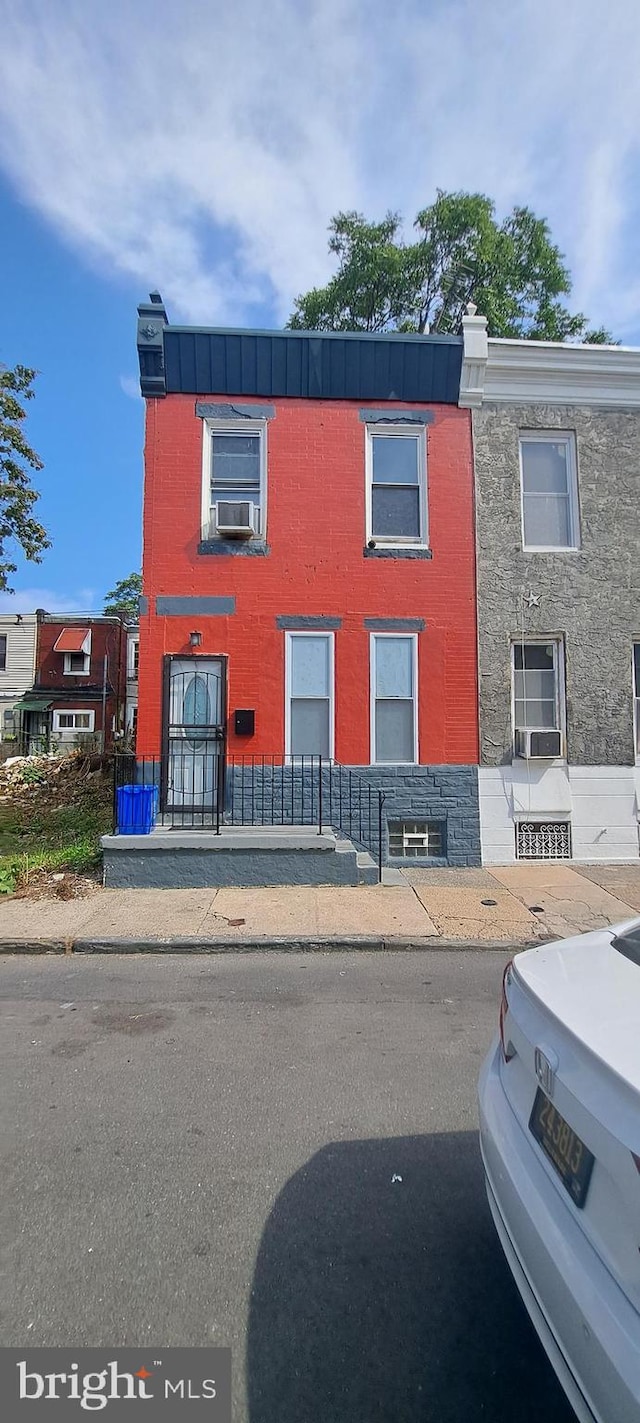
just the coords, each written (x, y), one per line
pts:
(9, 719)
(537, 688)
(77, 664)
(549, 491)
(235, 474)
(73, 720)
(394, 719)
(416, 839)
(133, 654)
(309, 675)
(3, 653)
(396, 486)
(636, 695)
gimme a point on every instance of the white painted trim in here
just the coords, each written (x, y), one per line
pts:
(73, 711)
(601, 803)
(231, 427)
(504, 371)
(288, 640)
(420, 436)
(373, 638)
(558, 437)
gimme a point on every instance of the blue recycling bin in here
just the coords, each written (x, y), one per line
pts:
(137, 808)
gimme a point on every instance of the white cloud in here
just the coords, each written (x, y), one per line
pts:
(130, 386)
(203, 148)
(28, 599)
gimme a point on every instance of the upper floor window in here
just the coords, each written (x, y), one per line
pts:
(74, 643)
(235, 481)
(396, 486)
(549, 491)
(77, 664)
(3, 653)
(133, 658)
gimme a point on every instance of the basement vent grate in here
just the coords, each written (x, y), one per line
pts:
(543, 840)
(416, 839)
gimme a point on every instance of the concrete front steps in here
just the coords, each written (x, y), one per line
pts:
(240, 855)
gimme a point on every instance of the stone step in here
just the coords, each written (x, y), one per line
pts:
(239, 855)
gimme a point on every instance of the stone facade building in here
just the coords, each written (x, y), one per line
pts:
(557, 475)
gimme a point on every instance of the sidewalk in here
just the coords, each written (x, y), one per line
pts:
(517, 905)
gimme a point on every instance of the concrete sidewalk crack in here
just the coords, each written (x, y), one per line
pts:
(425, 911)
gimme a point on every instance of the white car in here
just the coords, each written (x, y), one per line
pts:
(559, 1099)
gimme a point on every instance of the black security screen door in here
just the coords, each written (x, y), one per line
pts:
(195, 700)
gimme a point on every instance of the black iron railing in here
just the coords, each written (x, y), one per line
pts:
(200, 789)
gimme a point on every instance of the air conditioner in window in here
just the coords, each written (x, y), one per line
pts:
(538, 745)
(236, 521)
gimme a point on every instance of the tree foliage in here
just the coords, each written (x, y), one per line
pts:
(511, 269)
(17, 460)
(122, 601)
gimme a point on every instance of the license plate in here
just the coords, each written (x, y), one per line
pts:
(566, 1152)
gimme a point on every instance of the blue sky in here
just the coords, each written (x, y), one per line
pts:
(202, 148)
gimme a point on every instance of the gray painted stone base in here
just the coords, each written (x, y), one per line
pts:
(445, 793)
(242, 857)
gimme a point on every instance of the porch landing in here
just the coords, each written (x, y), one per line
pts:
(244, 855)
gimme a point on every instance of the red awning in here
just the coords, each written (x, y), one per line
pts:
(71, 640)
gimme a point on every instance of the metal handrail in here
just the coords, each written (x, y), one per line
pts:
(217, 789)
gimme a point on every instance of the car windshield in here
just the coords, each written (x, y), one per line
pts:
(629, 944)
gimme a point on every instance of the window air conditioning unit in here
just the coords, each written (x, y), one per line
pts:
(236, 521)
(538, 745)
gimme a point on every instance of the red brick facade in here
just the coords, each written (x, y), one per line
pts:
(83, 692)
(315, 566)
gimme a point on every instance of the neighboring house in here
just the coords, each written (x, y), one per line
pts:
(78, 695)
(308, 573)
(557, 465)
(18, 633)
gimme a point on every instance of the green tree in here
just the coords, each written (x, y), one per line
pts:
(511, 269)
(122, 601)
(17, 459)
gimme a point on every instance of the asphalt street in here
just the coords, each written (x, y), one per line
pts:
(275, 1152)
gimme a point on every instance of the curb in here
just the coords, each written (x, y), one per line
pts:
(300, 944)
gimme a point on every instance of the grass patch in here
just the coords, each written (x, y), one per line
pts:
(55, 825)
(83, 857)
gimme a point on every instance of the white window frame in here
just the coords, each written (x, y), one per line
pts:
(556, 437)
(70, 671)
(557, 644)
(132, 669)
(73, 730)
(412, 432)
(636, 700)
(231, 427)
(374, 637)
(288, 663)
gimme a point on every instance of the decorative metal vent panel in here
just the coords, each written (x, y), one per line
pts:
(543, 840)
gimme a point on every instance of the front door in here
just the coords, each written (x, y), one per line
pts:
(195, 716)
(36, 727)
